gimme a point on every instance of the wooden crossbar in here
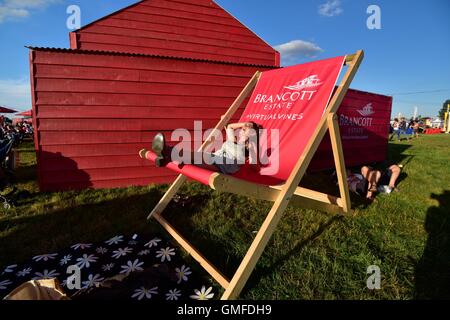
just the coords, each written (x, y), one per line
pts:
(315, 195)
(226, 183)
(281, 196)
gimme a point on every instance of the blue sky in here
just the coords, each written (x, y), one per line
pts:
(410, 54)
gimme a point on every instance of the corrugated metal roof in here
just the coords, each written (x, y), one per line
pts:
(116, 53)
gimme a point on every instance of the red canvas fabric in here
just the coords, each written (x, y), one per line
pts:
(290, 101)
(191, 171)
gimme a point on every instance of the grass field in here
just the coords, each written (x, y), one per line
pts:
(312, 255)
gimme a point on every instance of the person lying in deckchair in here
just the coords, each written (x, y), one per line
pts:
(241, 147)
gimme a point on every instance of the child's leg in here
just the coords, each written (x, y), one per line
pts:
(196, 159)
(365, 171)
(395, 170)
(374, 177)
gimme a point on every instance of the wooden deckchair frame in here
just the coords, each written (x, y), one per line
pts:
(288, 193)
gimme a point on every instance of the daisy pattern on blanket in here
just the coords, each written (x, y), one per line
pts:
(101, 250)
(153, 243)
(4, 284)
(173, 295)
(182, 273)
(203, 294)
(86, 260)
(24, 272)
(46, 274)
(45, 257)
(121, 252)
(142, 293)
(114, 240)
(108, 267)
(81, 246)
(144, 253)
(134, 266)
(65, 260)
(165, 254)
(9, 269)
(92, 280)
(149, 268)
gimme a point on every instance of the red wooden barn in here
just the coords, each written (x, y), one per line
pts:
(156, 66)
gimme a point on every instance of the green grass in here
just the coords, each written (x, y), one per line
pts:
(312, 255)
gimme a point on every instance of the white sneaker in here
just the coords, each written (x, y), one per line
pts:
(384, 189)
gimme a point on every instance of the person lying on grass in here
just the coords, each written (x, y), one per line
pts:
(371, 181)
(381, 181)
(240, 147)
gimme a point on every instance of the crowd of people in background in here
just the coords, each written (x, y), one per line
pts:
(402, 127)
(11, 136)
(15, 133)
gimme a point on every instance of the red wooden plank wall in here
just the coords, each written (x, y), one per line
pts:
(181, 28)
(94, 112)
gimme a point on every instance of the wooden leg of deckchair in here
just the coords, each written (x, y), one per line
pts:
(254, 253)
(338, 153)
(168, 196)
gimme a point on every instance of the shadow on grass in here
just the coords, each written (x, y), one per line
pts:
(262, 272)
(181, 216)
(433, 269)
(219, 251)
(396, 153)
(322, 182)
(27, 170)
(401, 177)
(24, 174)
(213, 249)
(30, 235)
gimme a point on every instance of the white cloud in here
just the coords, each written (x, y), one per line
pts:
(14, 9)
(15, 93)
(331, 8)
(6, 13)
(296, 50)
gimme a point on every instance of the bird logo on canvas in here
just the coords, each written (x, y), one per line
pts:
(367, 110)
(309, 82)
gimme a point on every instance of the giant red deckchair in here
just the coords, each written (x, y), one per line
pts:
(301, 102)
